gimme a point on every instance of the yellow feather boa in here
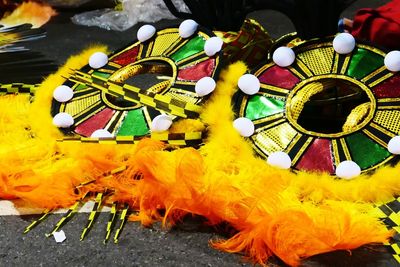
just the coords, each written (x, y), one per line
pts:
(275, 212)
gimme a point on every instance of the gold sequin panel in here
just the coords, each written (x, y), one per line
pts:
(275, 139)
(319, 61)
(163, 41)
(389, 119)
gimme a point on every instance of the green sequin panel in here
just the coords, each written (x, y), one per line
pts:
(363, 63)
(260, 107)
(134, 124)
(97, 73)
(102, 74)
(194, 46)
(81, 87)
(364, 151)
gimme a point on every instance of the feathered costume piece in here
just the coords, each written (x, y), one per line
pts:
(175, 148)
(261, 205)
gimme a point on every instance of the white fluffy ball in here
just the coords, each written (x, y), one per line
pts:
(145, 32)
(348, 170)
(392, 61)
(249, 84)
(283, 56)
(205, 86)
(394, 145)
(161, 123)
(244, 126)
(63, 120)
(188, 28)
(101, 133)
(280, 160)
(213, 46)
(63, 93)
(98, 60)
(344, 43)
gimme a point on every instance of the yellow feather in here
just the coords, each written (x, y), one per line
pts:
(40, 112)
(224, 180)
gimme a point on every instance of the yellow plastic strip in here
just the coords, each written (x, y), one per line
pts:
(67, 216)
(111, 222)
(179, 139)
(93, 215)
(164, 103)
(37, 222)
(122, 220)
(14, 88)
(390, 214)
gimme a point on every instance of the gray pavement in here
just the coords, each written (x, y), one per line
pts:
(138, 246)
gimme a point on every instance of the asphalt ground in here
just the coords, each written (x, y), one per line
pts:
(139, 246)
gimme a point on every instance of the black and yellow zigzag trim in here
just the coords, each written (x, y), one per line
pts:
(93, 214)
(128, 92)
(390, 215)
(37, 222)
(176, 139)
(18, 88)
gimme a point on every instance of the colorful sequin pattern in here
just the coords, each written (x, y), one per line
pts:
(176, 65)
(355, 90)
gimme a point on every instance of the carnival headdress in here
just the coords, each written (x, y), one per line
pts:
(297, 154)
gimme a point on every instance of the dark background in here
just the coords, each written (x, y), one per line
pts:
(185, 246)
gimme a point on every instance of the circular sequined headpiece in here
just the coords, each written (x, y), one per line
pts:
(326, 108)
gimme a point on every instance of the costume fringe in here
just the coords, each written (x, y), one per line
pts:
(275, 212)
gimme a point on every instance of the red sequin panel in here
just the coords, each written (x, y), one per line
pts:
(198, 71)
(280, 77)
(96, 122)
(127, 57)
(389, 88)
(318, 157)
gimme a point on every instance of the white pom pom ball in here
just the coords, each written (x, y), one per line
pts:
(188, 28)
(392, 61)
(244, 126)
(205, 86)
(63, 93)
(394, 145)
(283, 56)
(101, 133)
(344, 43)
(249, 84)
(63, 120)
(98, 60)
(348, 170)
(213, 46)
(280, 160)
(145, 32)
(161, 123)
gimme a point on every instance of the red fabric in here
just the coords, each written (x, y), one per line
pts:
(388, 89)
(127, 57)
(318, 157)
(96, 122)
(380, 26)
(198, 71)
(280, 77)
